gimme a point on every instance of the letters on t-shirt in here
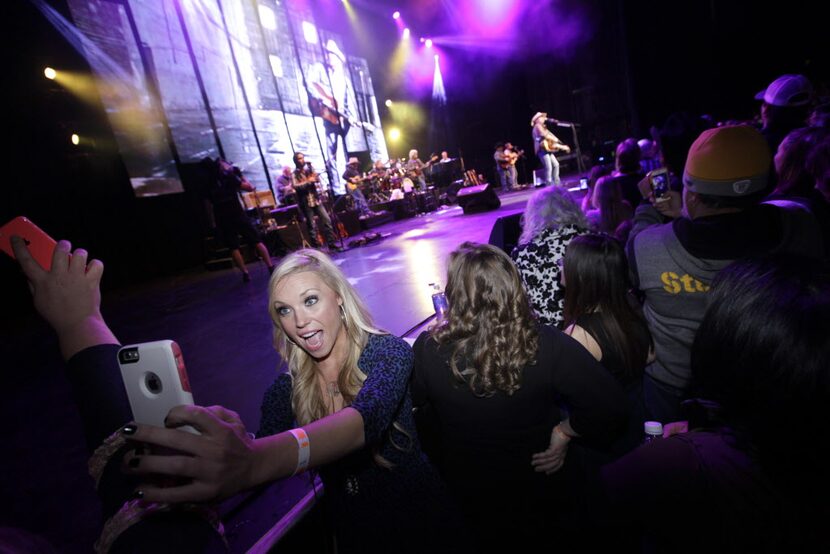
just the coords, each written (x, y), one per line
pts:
(675, 284)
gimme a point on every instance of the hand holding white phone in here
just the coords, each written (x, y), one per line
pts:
(155, 378)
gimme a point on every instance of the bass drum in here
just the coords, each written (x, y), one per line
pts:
(407, 185)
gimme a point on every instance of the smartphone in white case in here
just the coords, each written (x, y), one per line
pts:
(155, 377)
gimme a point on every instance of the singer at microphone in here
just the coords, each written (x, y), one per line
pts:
(546, 144)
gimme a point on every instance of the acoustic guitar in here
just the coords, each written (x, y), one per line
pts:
(354, 182)
(415, 172)
(510, 159)
(553, 145)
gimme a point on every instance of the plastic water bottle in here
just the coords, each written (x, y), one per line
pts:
(654, 431)
(439, 301)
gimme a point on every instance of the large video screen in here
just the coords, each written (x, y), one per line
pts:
(253, 82)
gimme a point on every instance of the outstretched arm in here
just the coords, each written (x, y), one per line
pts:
(68, 296)
(223, 460)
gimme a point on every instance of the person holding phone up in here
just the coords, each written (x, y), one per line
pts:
(344, 407)
(68, 297)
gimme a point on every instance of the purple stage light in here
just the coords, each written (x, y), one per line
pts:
(396, 15)
(428, 43)
(406, 33)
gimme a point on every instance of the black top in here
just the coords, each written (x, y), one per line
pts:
(612, 359)
(485, 444)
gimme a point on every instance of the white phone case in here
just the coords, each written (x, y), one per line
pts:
(155, 377)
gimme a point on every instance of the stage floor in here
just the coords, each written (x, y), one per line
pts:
(223, 328)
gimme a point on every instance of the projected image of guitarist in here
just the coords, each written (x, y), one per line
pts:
(331, 97)
(304, 183)
(546, 144)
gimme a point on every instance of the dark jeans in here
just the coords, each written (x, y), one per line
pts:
(325, 221)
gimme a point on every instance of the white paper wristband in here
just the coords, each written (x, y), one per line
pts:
(303, 449)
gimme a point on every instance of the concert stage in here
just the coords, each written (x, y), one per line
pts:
(223, 328)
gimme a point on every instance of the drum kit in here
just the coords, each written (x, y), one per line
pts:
(389, 182)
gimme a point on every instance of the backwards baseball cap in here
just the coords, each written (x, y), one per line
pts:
(353, 160)
(733, 160)
(787, 91)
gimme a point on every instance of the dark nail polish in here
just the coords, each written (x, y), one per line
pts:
(134, 462)
(137, 495)
(129, 429)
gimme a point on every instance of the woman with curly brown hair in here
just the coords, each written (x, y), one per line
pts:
(507, 395)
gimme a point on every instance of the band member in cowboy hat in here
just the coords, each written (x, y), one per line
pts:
(546, 143)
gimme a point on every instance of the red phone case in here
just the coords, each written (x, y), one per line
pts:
(41, 245)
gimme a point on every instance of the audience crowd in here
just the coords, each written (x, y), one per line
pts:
(705, 308)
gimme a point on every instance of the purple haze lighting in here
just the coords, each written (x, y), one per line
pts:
(396, 15)
(428, 43)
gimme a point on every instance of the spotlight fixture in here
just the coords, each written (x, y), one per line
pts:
(396, 15)
(422, 40)
(388, 103)
(436, 58)
(75, 139)
(428, 43)
(394, 134)
(50, 73)
(406, 33)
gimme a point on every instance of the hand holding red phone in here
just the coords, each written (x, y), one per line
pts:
(68, 296)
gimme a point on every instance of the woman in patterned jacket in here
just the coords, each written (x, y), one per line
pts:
(551, 219)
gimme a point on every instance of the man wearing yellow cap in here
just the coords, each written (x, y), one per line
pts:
(679, 244)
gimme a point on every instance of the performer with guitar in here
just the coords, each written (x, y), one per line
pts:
(546, 144)
(331, 97)
(353, 181)
(305, 182)
(415, 168)
(506, 157)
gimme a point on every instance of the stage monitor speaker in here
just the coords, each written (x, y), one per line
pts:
(506, 231)
(478, 198)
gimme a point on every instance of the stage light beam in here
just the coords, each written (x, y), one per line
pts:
(50, 73)
(406, 33)
(394, 134)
